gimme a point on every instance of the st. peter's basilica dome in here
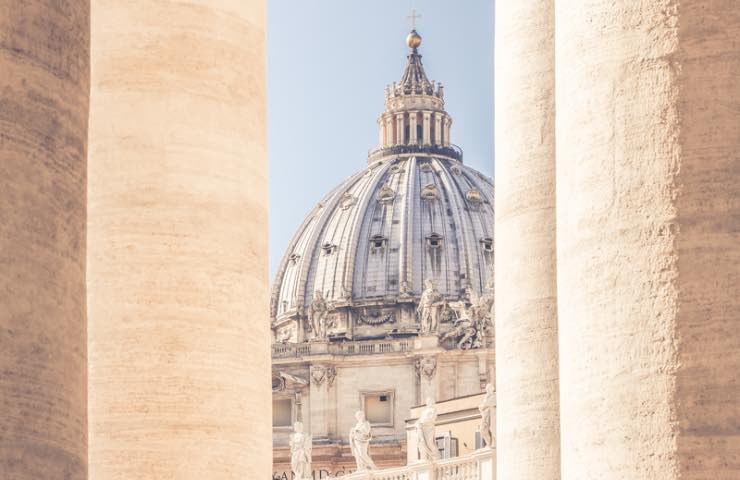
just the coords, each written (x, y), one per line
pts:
(415, 220)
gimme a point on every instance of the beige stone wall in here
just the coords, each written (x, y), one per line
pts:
(44, 87)
(177, 270)
(459, 417)
(526, 307)
(398, 378)
(648, 195)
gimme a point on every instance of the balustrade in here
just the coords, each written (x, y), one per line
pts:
(478, 465)
(372, 347)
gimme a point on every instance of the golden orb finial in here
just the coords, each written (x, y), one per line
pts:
(413, 40)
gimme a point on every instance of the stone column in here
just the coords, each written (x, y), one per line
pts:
(648, 202)
(412, 128)
(526, 305)
(399, 129)
(427, 128)
(390, 129)
(177, 274)
(437, 128)
(381, 132)
(447, 138)
(44, 95)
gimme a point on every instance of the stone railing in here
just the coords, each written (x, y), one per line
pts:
(371, 347)
(479, 465)
(290, 350)
(451, 150)
(365, 347)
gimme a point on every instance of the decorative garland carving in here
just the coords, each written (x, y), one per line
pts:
(377, 317)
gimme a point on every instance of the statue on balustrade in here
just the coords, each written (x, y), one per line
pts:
(426, 442)
(487, 413)
(431, 306)
(301, 445)
(359, 441)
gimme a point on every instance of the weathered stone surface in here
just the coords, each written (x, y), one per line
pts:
(526, 309)
(178, 296)
(44, 91)
(648, 202)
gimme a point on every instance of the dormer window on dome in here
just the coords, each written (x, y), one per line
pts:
(487, 244)
(474, 196)
(328, 248)
(434, 241)
(347, 201)
(377, 243)
(386, 194)
(430, 192)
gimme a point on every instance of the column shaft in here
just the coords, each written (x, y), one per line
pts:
(412, 127)
(178, 298)
(44, 96)
(528, 436)
(648, 200)
(438, 128)
(400, 140)
(426, 129)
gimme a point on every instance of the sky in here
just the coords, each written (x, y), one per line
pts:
(328, 64)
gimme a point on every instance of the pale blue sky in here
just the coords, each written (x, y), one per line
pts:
(328, 64)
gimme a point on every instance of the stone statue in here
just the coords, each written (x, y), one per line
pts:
(300, 452)
(464, 330)
(485, 302)
(487, 415)
(473, 317)
(426, 444)
(317, 314)
(430, 306)
(359, 441)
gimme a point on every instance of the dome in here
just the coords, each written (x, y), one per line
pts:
(376, 238)
(415, 224)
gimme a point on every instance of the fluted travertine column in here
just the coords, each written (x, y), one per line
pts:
(44, 92)
(177, 270)
(648, 202)
(526, 308)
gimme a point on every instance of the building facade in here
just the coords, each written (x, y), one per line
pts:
(384, 296)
